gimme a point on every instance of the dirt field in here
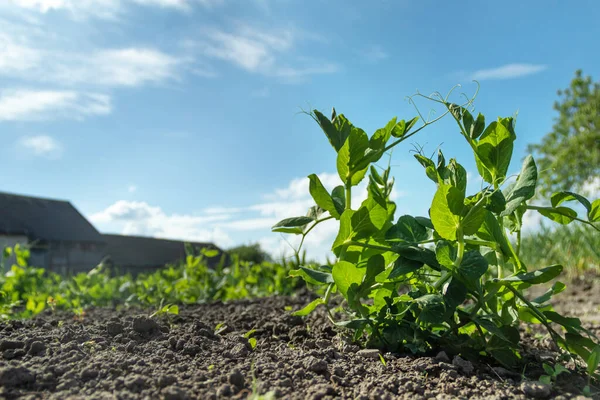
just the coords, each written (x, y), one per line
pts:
(125, 355)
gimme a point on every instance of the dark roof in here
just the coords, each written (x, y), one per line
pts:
(44, 219)
(147, 252)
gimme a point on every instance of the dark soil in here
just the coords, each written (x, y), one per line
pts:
(123, 354)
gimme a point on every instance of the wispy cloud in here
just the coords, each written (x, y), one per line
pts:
(16, 57)
(129, 66)
(41, 145)
(116, 67)
(509, 71)
(374, 54)
(261, 51)
(132, 188)
(107, 9)
(27, 104)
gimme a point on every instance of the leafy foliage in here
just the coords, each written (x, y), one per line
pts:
(451, 279)
(570, 154)
(26, 290)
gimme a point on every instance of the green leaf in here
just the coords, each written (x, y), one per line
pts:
(467, 120)
(494, 150)
(560, 197)
(455, 294)
(362, 221)
(474, 219)
(345, 232)
(321, 196)
(382, 135)
(594, 213)
(555, 289)
(345, 274)
(582, 346)
(478, 127)
(375, 266)
(292, 225)
(523, 189)
(445, 211)
(569, 323)
(336, 136)
(407, 229)
(457, 176)
(445, 253)
(403, 266)
(432, 308)
(338, 195)
(562, 215)
(473, 265)
(593, 360)
(403, 127)
(536, 277)
(353, 158)
(376, 177)
(426, 222)
(429, 166)
(312, 276)
(491, 231)
(310, 307)
(496, 202)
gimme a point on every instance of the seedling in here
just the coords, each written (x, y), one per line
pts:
(168, 309)
(552, 373)
(251, 340)
(463, 280)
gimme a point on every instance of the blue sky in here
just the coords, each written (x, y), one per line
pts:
(179, 118)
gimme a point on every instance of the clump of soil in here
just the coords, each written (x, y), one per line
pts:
(123, 354)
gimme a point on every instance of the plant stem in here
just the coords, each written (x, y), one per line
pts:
(297, 252)
(491, 245)
(369, 246)
(537, 313)
(349, 194)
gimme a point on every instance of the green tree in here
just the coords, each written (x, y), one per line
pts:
(569, 156)
(250, 252)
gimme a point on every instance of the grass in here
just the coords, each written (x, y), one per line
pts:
(574, 246)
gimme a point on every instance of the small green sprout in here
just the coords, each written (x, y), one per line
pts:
(251, 340)
(552, 373)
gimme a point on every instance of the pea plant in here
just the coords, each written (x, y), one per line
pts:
(452, 279)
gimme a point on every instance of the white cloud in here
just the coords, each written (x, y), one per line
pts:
(117, 67)
(508, 71)
(41, 145)
(108, 9)
(260, 51)
(26, 104)
(140, 218)
(16, 57)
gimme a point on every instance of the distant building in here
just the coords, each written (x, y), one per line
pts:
(62, 240)
(136, 254)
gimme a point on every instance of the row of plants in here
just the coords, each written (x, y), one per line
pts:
(26, 290)
(574, 246)
(453, 279)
